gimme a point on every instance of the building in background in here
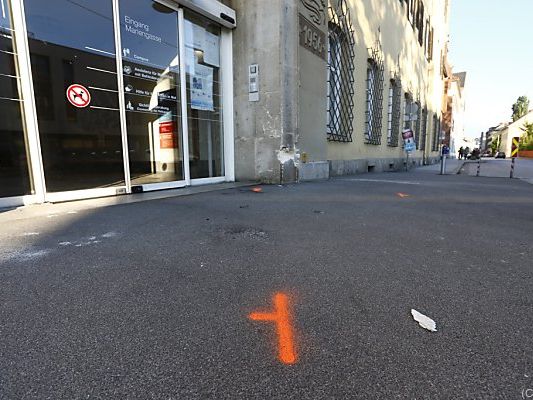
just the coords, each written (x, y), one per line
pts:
(511, 130)
(109, 97)
(338, 82)
(454, 115)
(493, 137)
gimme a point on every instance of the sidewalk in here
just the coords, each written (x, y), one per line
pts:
(453, 166)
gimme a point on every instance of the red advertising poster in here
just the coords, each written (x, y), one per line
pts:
(167, 135)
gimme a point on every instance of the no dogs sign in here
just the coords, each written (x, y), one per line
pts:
(78, 96)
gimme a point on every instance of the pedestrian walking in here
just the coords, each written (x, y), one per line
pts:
(461, 153)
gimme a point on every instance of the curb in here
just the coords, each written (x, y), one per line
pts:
(458, 169)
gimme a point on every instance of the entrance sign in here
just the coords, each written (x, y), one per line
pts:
(515, 146)
(78, 96)
(281, 318)
(408, 140)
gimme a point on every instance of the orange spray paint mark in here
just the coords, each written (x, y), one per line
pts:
(281, 317)
(257, 190)
(402, 195)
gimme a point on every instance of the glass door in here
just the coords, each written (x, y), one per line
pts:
(204, 97)
(14, 162)
(72, 51)
(128, 96)
(151, 71)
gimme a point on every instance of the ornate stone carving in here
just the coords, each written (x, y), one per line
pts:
(316, 9)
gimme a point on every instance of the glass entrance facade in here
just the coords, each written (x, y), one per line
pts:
(81, 146)
(151, 70)
(127, 95)
(14, 161)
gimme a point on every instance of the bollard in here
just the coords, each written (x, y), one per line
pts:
(443, 155)
(512, 168)
(478, 167)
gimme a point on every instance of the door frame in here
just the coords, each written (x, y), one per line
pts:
(30, 111)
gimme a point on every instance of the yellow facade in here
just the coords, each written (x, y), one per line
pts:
(387, 21)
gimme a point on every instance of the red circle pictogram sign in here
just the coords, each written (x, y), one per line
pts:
(78, 96)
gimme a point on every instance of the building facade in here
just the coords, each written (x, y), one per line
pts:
(108, 97)
(512, 130)
(453, 117)
(339, 81)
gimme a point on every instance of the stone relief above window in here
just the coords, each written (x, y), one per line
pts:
(316, 10)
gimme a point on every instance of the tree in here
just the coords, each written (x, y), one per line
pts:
(495, 145)
(526, 141)
(528, 130)
(520, 108)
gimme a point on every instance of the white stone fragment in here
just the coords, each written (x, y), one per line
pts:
(423, 321)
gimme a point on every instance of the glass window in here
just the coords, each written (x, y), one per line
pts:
(204, 96)
(72, 43)
(150, 58)
(14, 160)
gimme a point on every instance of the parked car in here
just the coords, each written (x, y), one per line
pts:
(500, 154)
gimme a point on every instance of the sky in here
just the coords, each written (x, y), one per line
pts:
(492, 40)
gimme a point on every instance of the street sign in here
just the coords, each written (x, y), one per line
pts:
(78, 96)
(515, 147)
(408, 140)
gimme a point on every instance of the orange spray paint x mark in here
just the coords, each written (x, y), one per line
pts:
(281, 317)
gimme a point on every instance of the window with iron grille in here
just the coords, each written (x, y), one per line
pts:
(417, 124)
(436, 133)
(429, 54)
(408, 112)
(412, 12)
(340, 73)
(394, 111)
(374, 97)
(424, 129)
(420, 23)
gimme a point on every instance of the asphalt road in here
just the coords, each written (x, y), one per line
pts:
(152, 300)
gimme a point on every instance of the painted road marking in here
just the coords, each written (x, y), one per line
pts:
(281, 317)
(402, 195)
(383, 181)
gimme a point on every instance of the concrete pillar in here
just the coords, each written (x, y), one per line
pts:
(266, 130)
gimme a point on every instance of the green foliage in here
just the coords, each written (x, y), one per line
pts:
(495, 145)
(526, 142)
(520, 108)
(528, 130)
